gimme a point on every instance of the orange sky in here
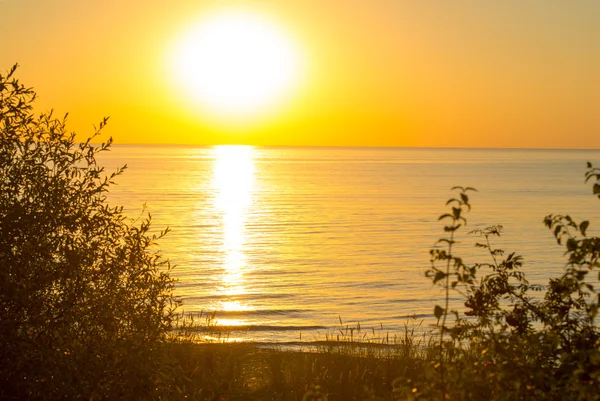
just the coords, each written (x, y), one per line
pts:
(378, 73)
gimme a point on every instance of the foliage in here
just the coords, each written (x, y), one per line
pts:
(514, 341)
(87, 309)
(85, 304)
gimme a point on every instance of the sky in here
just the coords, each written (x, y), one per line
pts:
(509, 74)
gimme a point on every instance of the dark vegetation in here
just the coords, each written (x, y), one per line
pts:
(87, 309)
(85, 304)
(515, 341)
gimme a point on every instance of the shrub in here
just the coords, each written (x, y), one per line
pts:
(84, 300)
(511, 344)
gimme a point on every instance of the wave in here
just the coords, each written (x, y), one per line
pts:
(261, 312)
(255, 328)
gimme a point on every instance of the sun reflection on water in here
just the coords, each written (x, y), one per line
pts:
(233, 182)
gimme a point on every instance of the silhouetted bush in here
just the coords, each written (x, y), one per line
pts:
(85, 304)
(514, 341)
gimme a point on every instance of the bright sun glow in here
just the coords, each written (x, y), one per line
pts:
(236, 64)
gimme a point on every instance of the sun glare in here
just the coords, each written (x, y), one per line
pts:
(233, 182)
(236, 64)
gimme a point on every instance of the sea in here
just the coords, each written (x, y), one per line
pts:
(291, 245)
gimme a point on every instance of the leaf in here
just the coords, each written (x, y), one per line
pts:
(557, 231)
(439, 276)
(456, 212)
(596, 189)
(438, 311)
(583, 227)
(444, 216)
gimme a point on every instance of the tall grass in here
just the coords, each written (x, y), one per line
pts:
(348, 364)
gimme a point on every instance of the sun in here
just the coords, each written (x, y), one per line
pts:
(236, 64)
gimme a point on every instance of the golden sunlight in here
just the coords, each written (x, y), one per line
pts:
(233, 179)
(236, 64)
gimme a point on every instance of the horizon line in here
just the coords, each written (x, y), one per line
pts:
(346, 146)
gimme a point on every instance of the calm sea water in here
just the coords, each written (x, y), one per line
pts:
(283, 242)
